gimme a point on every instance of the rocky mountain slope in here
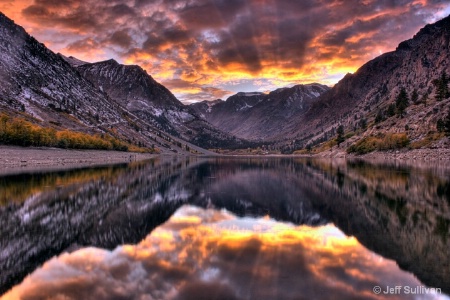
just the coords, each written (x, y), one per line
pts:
(60, 92)
(357, 100)
(126, 102)
(258, 115)
(42, 87)
(363, 103)
(42, 84)
(137, 92)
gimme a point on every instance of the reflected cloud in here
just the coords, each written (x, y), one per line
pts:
(210, 254)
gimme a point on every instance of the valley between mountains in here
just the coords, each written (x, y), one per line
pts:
(397, 102)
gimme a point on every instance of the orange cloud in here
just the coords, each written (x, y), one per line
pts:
(209, 43)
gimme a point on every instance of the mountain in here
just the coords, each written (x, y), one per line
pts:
(42, 87)
(126, 102)
(73, 60)
(302, 116)
(42, 84)
(136, 91)
(356, 100)
(258, 115)
(55, 91)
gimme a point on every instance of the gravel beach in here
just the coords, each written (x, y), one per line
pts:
(14, 158)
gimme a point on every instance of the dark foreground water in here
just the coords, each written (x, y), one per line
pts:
(190, 228)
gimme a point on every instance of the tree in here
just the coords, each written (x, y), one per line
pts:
(440, 125)
(441, 84)
(3, 122)
(363, 124)
(340, 135)
(391, 110)
(414, 96)
(424, 99)
(447, 124)
(379, 117)
(401, 103)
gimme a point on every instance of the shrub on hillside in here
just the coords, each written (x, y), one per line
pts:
(389, 141)
(364, 145)
(393, 141)
(23, 133)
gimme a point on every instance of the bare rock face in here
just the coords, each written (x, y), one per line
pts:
(259, 115)
(131, 86)
(44, 88)
(43, 84)
(373, 87)
(311, 114)
(136, 91)
(96, 97)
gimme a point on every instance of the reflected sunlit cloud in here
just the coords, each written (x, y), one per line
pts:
(210, 254)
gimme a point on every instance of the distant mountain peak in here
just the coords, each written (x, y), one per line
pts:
(73, 61)
(258, 115)
(249, 94)
(129, 85)
(110, 61)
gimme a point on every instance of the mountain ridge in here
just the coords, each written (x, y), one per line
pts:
(44, 88)
(136, 91)
(358, 98)
(258, 115)
(110, 97)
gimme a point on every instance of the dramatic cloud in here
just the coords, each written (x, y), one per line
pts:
(209, 43)
(208, 254)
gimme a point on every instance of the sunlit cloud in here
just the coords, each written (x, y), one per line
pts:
(209, 43)
(202, 253)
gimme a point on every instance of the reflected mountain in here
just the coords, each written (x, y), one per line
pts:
(401, 213)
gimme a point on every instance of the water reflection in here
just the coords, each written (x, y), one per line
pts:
(210, 254)
(399, 212)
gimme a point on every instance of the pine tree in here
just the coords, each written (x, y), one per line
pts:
(363, 124)
(401, 102)
(379, 117)
(424, 99)
(391, 110)
(440, 125)
(441, 84)
(340, 135)
(447, 124)
(414, 96)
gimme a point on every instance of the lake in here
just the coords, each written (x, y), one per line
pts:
(227, 228)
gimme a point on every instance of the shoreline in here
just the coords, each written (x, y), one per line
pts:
(427, 154)
(18, 159)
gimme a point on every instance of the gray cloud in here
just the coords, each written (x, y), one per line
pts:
(250, 37)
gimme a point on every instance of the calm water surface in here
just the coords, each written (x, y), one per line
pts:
(191, 228)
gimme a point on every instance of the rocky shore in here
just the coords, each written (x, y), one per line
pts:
(427, 154)
(18, 159)
(14, 158)
(439, 151)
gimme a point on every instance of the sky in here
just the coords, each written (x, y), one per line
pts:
(210, 49)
